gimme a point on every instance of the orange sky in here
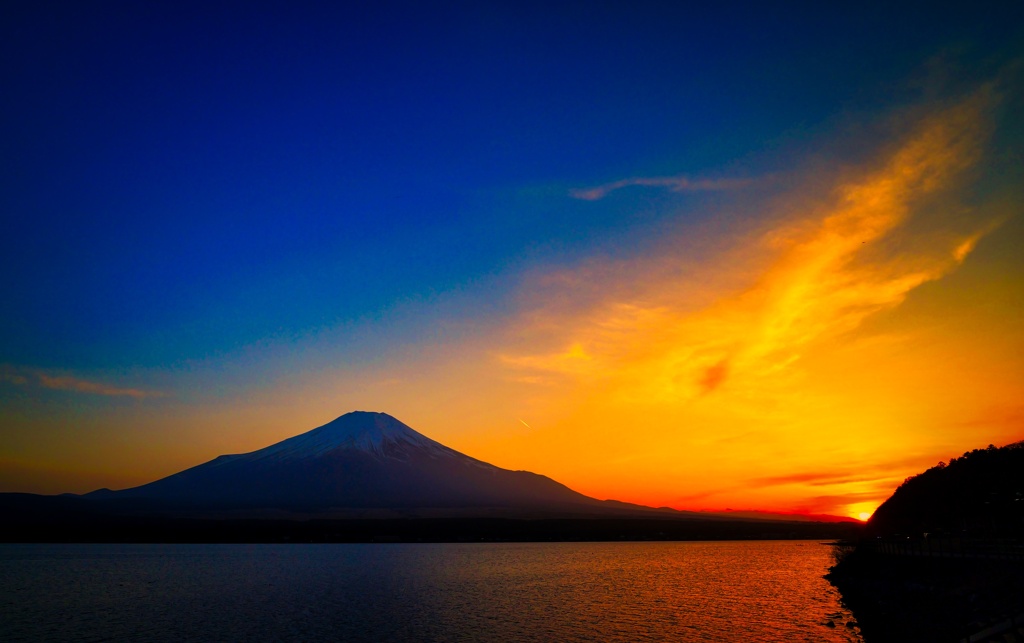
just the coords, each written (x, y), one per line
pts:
(823, 333)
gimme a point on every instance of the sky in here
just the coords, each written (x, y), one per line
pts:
(738, 256)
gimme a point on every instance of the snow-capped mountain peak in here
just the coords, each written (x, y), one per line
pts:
(360, 460)
(360, 430)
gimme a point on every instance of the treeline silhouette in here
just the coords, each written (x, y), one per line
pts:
(980, 494)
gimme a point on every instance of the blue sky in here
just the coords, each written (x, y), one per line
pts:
(185, 178)
(200, 200)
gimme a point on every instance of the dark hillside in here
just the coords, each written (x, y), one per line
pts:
(979, 494)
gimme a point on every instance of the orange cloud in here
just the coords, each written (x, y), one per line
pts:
(817, 287)
(769, 339)
(78, 385)
(714, 376)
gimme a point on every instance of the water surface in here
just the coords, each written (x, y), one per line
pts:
(679, 591)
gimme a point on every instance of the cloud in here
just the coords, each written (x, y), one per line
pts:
(14, 378)
(73, 384)
(830, 478)
(850, 484)
(67, 383)
(673, 183)
(832, 269)
(714, 376)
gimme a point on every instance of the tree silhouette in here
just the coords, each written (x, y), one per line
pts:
(979, 494)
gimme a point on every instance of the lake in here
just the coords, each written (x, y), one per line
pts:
(678, 591)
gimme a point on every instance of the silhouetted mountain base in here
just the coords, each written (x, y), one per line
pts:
(68, 519)
(928, 599)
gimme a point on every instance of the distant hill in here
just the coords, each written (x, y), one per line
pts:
(978, 494)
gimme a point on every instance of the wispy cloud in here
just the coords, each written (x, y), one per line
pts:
(673, 183)
(78, 385)
(13, 378)
(849, 483)
(824, 282)
(817, 478)
(74, 384)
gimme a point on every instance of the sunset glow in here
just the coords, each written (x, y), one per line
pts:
(792, 311)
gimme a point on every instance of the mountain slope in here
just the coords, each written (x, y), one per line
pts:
(360, 460)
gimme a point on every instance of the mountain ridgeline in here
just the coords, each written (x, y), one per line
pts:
(359, 461)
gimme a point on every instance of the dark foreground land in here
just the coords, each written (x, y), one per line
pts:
(57, 519)
(943, 558)
(914, 591)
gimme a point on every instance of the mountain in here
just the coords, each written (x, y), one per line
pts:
(365, 477)
(359, 461)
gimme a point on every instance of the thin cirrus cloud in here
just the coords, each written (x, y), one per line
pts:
(862, 483)
(75, 385)
(673, 183)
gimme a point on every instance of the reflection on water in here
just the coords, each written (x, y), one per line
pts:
(689, 591)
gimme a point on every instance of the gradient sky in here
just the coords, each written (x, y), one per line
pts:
(731, 257)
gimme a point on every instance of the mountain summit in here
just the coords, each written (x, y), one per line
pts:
(359, 461)
(374, 433)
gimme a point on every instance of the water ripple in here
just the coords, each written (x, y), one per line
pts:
(692, 591)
